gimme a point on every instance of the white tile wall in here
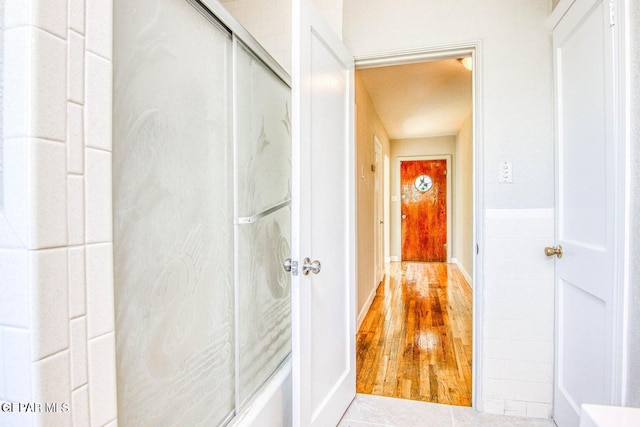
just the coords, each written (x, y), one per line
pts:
(48, 302)
(517, 377)
(80, 404)
(102, 379)
(100, 302)
(99, 27)
(16, 202)
(17, 365)
(49, 15)
(14, 288)
(75, 136)
(50, 384)
(77, 282)
(16, 67)
(75, 209)
(47, 91)
(78, 353)
(47, 192)
(75, 89)
(56, 311)
(97, 190)
(76, 15)
(97, 111)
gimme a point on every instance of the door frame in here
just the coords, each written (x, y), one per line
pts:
(378, 214)
(449, 160)
(433, 53)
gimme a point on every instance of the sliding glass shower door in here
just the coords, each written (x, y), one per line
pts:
(201, 172)
(264, 220)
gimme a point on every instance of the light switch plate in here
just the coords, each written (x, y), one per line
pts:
(505, 172)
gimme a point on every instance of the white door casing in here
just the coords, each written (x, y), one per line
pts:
(586, 150)
(378, 220)
(323, 220)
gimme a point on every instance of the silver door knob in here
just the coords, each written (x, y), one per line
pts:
(404, 216)
(291, 266)
(553, 250)
(308, 266)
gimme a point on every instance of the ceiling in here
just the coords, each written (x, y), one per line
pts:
(420, 100)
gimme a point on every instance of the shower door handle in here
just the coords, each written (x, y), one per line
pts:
(308, 266)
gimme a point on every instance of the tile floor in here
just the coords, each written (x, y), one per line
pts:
(376, 411)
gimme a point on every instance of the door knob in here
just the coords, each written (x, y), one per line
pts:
(553, 250)
(291, 266)
(404, 216)
(308, 266)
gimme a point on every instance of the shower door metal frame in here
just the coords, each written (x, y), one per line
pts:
(216, 13)
(213, 10)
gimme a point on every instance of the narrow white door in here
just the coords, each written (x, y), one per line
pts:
(585, 209)
(323, 301)
(378, 214)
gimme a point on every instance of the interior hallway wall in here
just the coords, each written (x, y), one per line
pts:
(368, 124)
(56, 278)
(463, 193)
(516, 366)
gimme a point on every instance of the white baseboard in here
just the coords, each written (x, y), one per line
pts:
(367, 306)
(387, 259)
(463, 271)
(394, 259)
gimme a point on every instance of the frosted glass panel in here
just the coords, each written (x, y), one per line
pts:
(173, 201)
(264, 137)
(264, 181)
(265, 298)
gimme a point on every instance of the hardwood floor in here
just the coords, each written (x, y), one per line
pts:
(415, 341)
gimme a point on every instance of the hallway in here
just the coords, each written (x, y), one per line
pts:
(409, 344)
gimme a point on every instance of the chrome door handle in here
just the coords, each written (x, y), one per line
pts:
(291, 266)
(554, 250)
(308, 266)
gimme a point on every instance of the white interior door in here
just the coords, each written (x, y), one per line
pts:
(323, 304)
(378, 214)
(585, 209)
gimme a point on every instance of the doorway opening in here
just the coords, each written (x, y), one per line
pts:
(417, 212)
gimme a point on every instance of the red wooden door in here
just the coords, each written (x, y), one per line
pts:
(424, 210)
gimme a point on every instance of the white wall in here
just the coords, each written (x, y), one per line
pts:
(56, 280)
(516, 124)
(516, 77)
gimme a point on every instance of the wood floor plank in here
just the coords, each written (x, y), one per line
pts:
(416, 340)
